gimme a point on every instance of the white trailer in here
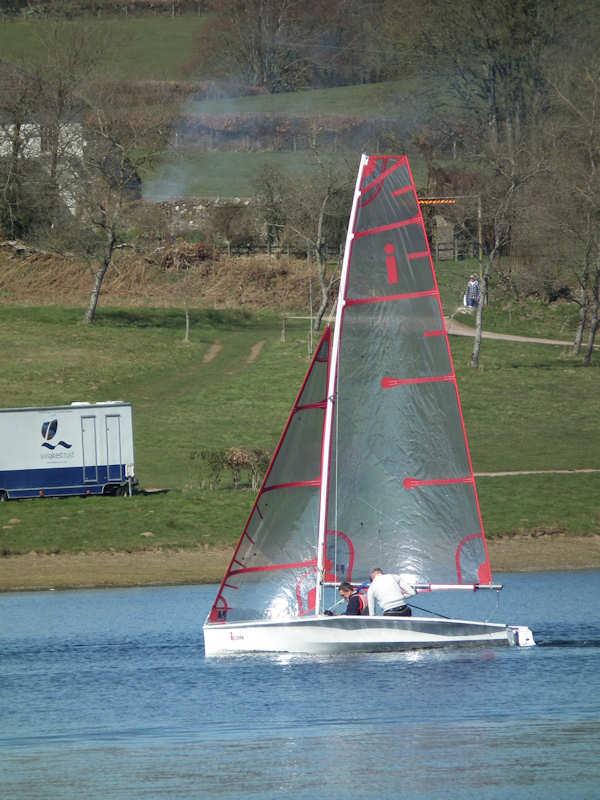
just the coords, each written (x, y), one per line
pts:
(81, 449)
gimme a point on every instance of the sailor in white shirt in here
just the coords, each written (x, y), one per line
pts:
(390, 593)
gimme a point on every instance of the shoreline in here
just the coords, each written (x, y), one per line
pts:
(35, 571)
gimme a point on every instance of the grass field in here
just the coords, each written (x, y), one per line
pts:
(362, 100)
(140, 48)
(194, 173)
(191, 172)
(530, 407)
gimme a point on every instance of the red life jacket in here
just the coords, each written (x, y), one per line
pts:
(364, 604)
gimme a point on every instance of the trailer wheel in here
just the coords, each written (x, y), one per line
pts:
(3, 496)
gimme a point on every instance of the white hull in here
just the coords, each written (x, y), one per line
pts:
(342, 634)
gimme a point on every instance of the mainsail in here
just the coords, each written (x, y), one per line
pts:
(273, 572)
(373, 467)
(400, 487)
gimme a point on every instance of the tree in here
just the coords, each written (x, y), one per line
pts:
(493, 56)
(231, 223)
(313, 209)
(502, 200)
(19, 96)
(41, 104)
(67, 58)
(574, 200)
(271, 203)
(119, 146)
(249, 41)
(282, 45)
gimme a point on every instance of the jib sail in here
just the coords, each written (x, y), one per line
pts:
(273, 572)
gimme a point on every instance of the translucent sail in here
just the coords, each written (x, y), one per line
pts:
(401, 490)
(273, 572)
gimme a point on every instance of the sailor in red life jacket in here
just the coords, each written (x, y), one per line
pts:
(390, 593)
(357, 604)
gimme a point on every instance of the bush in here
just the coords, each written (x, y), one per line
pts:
(237, 460)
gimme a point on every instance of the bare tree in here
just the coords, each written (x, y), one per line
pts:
(577, 194)
(19, 96)
(66, 59)
(118, 147)
(313, 209)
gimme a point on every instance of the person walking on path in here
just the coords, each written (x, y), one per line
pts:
(473, 292)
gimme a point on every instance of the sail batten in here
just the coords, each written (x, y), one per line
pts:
(357, 301)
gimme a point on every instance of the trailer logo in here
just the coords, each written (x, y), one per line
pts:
(49, 432)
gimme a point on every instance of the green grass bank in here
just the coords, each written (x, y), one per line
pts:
(530, 407)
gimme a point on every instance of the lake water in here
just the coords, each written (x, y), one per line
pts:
(107, 694)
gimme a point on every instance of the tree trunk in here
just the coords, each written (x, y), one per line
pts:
(594, 319)
(186, 338)
(479, 315)
(322, 265)
(577, 341)
(324, 294)
(90, 314)
(592, 336)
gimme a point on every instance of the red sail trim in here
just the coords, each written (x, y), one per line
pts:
(434, 333)
(219, 613)
(356, 301)
(482, 567)
(414, 483)
(329, 574)
(275, 567)
(326, 337)
(311, 593)
(485, 568)
(391, 264)
(415, 256)
(322, 404)
(392, 226)
(401, 160)
(230, 586)
(484, 571)
(292, 485)
(389, 383)
(403, 190)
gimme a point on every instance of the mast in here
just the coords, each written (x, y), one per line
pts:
(331, 390)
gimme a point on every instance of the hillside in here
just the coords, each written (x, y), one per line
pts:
(139, 280)
(529, 408)
(256, 283)
(138, 48)
(219, 146)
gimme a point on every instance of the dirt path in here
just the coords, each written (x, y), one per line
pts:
(212, 352)
(534, 472)
(458, 329)
(165, 567)
(255, 351)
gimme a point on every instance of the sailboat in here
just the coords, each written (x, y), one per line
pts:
(373, 466)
